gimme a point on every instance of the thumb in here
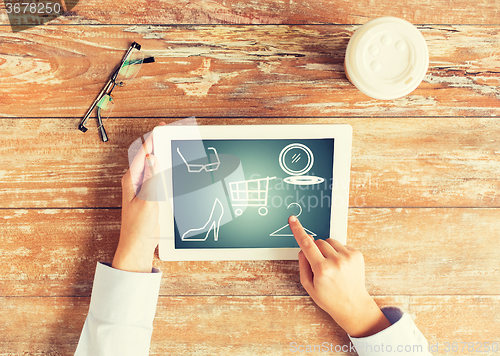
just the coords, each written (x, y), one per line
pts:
(128, 188)
(150, 182)
(150, 167)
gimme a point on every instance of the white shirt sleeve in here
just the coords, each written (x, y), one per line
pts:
(121, 313)
(401, 338)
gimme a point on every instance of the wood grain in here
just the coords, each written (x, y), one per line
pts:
(457, 319)
(424, 189)
(92, 12)
(54, 252)
(240, 325)
(237, 71)
(396, 162)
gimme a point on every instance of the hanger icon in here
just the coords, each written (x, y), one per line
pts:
(279, 232)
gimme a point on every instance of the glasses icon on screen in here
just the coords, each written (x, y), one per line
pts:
(196, 168)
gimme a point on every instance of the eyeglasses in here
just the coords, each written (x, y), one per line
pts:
(126, 72)
(196, 168)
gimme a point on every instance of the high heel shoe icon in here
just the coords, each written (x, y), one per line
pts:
(213, 221)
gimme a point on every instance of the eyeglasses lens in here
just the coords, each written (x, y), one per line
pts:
(130, 68)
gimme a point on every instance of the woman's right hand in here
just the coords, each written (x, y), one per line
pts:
(334, 276)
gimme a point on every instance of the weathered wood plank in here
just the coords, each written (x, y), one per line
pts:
(428, 251)
(240, 325)
(183, 325)
(407, 251)
(246, 325)
(396, 162)
(272, 12)
(224, 72)
(471, 319)
(43, 250)
(237, 71)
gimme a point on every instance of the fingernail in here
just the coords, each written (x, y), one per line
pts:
(293, 218)
(150, 160)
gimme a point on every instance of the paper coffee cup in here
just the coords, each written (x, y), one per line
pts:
(386, 58)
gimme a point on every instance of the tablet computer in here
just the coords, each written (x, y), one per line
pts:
(232, 188)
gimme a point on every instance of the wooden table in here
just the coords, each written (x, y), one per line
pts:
(425, 188)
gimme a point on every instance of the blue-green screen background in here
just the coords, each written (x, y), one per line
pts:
(195, 192)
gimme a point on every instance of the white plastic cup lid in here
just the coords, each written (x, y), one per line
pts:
(386, 58)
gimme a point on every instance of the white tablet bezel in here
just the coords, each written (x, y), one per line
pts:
(162, 138)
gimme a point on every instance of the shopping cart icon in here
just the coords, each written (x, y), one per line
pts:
(252, 192)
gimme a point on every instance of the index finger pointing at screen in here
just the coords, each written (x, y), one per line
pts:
(306, 243)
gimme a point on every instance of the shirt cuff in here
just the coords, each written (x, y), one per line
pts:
(401, 338)
(124, 297)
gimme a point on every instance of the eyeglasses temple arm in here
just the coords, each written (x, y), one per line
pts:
(102, 131)
(82, 127)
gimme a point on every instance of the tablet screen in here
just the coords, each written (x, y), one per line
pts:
(231, 193)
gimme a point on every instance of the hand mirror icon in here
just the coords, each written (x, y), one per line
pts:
(297, 159)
